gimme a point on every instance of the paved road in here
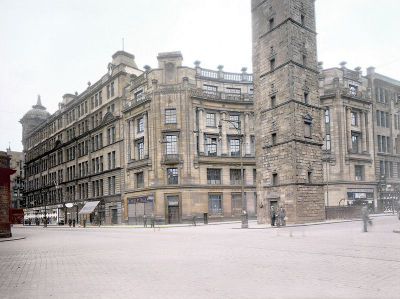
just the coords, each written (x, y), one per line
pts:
(325, 261)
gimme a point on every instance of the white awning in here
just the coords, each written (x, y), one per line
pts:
(89, 207)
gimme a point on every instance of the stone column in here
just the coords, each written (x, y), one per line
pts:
(247, 133)
(363, 131)
(224, 139)
(348, 129)
(146, 135)
(201, 131)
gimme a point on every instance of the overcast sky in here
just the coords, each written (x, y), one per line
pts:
(52, 47)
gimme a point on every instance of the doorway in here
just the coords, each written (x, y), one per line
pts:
(114, 216)
(173, 209)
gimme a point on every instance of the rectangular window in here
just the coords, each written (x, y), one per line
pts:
(211, 146)
(302, 18)
(234, 91)
(353, 89)
(139, 180)
(382, 168)
(355, 140)
(172, 176)
(234, 147)
(391, 169)
(215, 204)
(140, 149)
(211, 89)
(236, 203)
(140, 125)
(275, 179)
(271, 23)
(112, 89)
(273, 101)
(273, 138)
(328, 142)
(359, 172)
(272, 64)
(309, 177)
(171, 144)
(170, 116)
(213, 176)
(306, 97)
(235, 176)
(354, 119)
(210, 120)
(234, 121)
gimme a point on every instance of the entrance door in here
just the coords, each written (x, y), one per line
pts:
(173, 209)
(114, 216)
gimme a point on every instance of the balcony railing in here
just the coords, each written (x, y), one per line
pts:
(135, 101)
(356, 94)
(221, 96)
(236, 77)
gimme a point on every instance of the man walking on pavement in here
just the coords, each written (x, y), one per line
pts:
(365, 217)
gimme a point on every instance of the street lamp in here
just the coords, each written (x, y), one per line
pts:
(237, 126)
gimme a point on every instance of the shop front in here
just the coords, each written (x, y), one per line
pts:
(140, 208)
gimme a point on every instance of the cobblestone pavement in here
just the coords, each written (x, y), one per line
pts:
(221, 261)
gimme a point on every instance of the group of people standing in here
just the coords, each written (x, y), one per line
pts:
(278, 216)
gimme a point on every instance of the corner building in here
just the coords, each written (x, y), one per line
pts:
(289, 141)
(186, 130)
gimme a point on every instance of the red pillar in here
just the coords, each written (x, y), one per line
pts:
(5, 195)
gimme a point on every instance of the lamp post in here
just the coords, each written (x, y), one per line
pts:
(237, 126)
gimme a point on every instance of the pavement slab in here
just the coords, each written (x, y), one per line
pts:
(218, 261)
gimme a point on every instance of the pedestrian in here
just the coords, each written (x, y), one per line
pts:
(145, 220)
(70, 222)
(73, 223)
(282, 216)
(152, 220)
(272, 215)
(365, 217)
(194, 220)
(84, 222)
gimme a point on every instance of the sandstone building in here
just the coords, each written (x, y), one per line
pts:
(288, 113)
(166, 141)
(348, 151)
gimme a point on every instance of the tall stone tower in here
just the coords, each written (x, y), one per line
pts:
(289, 141)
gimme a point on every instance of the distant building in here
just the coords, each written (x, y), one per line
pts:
(17, 179)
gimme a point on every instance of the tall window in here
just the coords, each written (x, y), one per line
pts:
(215, 204)
(140, 149)
(273, 101)
(211, 146)
(234, 147)
(355, 142)
(307, 128)
(236, 203)
(275, 179)
(139, 180)
(213, 176)
(172, 176)
(171, 144)
(170, 116)
(272, 64)
(273, 138)
(271, 23)
(327, 130)
(140, 125)
(210, 120)
(354, 119)
(111, 135)
(236, 176)
(359, 172)
(111, 160)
